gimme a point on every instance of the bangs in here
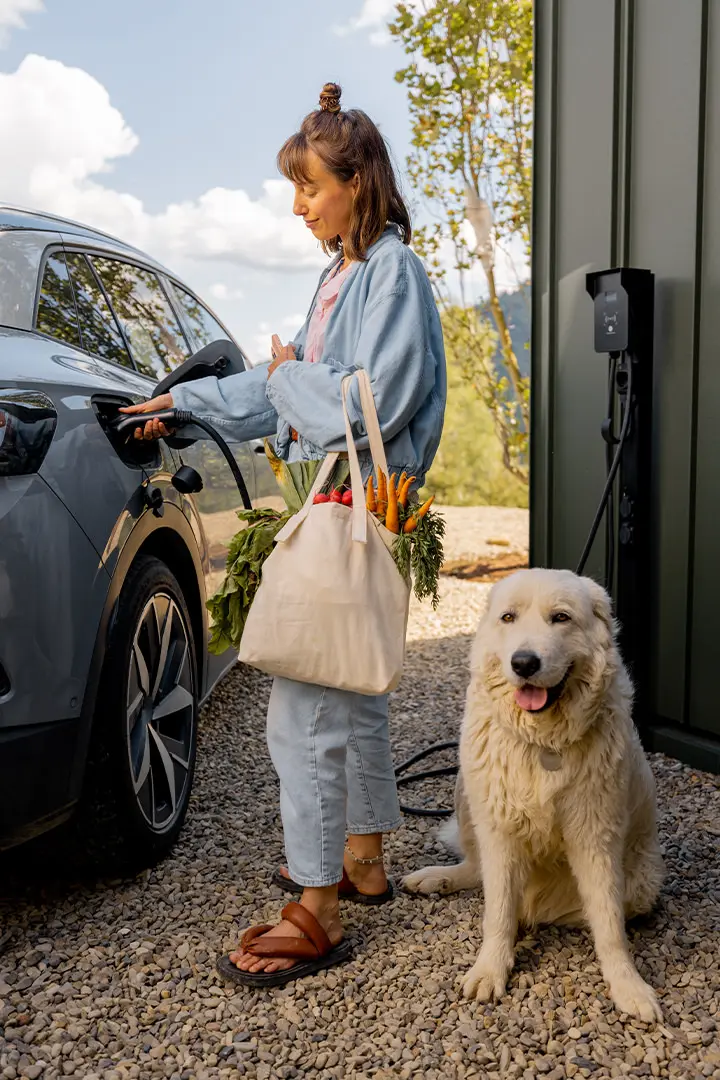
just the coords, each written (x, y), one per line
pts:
(292, 159)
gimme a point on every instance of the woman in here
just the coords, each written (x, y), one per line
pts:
(373, 309)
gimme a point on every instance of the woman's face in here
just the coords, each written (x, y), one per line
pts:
(323, 201)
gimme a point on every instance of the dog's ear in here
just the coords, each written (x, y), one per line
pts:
(479, 646)
(601, 604)
(477, 651)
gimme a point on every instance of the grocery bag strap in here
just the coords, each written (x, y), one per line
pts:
(323, 475)
(372, 424)
(377, 452)
(358, 491)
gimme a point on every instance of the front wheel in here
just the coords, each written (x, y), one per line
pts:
(142, 757)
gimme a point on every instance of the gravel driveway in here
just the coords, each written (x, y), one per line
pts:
(476, 531)
(118, 980)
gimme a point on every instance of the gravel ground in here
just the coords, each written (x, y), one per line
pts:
(117, 980)
(477, 531)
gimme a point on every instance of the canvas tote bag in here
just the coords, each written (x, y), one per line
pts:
(332, 606)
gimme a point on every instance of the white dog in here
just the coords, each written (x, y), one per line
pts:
(555, 803)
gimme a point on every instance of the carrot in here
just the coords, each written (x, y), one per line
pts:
(371, 502)
(392, 520)
(405, 490)
(382, 495)
(414, 520)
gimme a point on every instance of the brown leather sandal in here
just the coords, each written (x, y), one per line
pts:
(346, 890)
(314, 952)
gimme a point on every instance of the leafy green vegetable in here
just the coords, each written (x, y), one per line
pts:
(296, 478)
(421, 552)
(247, 552)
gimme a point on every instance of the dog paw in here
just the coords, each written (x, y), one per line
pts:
(484, 982)
(632, 995)
(433, 879)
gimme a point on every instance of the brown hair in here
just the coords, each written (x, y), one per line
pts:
(349, 144)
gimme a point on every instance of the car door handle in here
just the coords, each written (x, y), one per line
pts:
(258, 446)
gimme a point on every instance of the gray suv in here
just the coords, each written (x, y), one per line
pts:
(105, 566)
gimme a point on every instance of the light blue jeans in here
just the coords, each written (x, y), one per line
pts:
(331, 751)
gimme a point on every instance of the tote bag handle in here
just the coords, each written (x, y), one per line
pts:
(377, 452)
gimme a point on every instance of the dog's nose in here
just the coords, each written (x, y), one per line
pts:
(525, 663)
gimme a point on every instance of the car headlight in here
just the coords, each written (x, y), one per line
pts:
(27, 424)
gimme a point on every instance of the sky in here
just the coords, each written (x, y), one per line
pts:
(159, 121)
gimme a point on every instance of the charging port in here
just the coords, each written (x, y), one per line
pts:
(135, 453)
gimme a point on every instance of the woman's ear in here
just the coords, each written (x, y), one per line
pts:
(355, 185)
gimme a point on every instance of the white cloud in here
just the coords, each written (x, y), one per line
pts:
(11, 16)
(65, 134)
(374, 17)
(221, 291)
(260, 353)
(286, 330)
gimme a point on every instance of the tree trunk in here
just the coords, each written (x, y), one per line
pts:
(513, 368)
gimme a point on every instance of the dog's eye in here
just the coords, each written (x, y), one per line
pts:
(508, 616)
(560, 616)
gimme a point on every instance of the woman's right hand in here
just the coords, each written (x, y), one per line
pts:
(280, 354)
(154, 429)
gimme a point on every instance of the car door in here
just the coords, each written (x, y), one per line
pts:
(157, 342)
(88, 360)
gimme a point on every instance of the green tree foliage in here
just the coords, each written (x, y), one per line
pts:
(469, 83)
(468, 469)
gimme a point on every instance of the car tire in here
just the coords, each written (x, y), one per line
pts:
(141, 760)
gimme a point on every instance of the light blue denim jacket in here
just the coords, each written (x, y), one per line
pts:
(384, 320)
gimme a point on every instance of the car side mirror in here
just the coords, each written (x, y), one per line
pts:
(219, 358)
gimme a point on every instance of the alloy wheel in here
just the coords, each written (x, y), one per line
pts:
(161, 711)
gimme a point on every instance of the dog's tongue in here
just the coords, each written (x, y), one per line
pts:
(531, 697)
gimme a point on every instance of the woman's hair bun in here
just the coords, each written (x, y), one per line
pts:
(330, 97)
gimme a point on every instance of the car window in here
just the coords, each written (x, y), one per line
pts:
(56, 313)
(155, 336)
(98, 329)
(203, 326)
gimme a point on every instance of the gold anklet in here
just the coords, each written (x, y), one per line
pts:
(375, 861)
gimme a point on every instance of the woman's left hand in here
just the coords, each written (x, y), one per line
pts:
(280, 353)
(154, 429)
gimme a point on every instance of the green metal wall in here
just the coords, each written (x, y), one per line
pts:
(627, 172)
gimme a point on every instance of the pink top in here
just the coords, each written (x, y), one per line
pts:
(318, 323)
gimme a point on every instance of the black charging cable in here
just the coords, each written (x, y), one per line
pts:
(428, 774)
(610, 442)
(612, 472)
(180, 418)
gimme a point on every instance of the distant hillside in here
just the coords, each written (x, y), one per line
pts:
(516, 308)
